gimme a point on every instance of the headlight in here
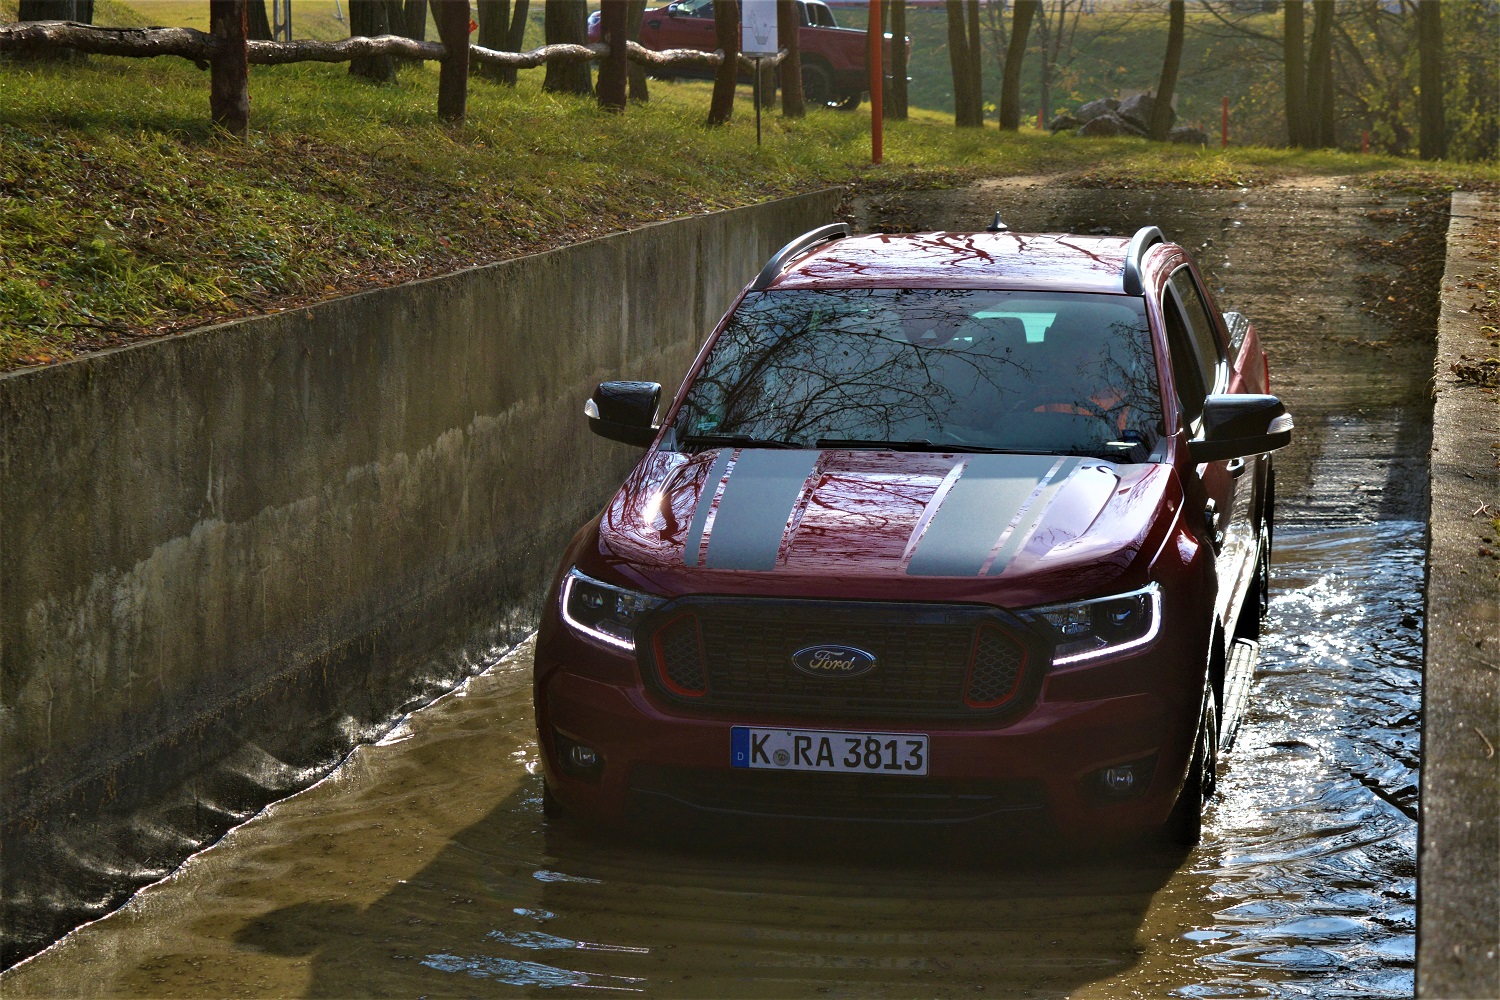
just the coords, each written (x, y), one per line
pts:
(1087, 630)
(603, 611)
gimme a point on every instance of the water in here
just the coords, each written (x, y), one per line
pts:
(423, 866)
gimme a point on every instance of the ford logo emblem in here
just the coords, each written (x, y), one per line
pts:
(833, 661)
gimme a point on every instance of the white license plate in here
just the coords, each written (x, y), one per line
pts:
(828, 750)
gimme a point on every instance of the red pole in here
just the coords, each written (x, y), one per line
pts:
(1224, 124)
(1364, 142)
(877, 79)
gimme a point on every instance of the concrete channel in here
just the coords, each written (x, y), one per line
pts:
(423, 865)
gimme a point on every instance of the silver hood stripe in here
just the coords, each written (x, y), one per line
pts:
(1028, 517)
(759, 498)
(694, 543)
(991, 494)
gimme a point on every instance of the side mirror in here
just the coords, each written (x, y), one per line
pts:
(624, 411)
(1238, 426)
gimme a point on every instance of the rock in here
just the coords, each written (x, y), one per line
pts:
(1064, 122)
(1138, 111)
(1110, 125)
(1188, 136)
(1093, 109)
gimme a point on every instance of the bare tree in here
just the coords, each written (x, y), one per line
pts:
(639, 89)
(788, 36)
(229, 67)
(1430, 55)
(452, 18)
(257, 23)
(613, 75)
(968, 102)
(1021, 17)
(1320, 76)
(369, 18)
(1161, 108)
(414, 16)
(727, 36)
(566, 21)
(896, 98)
(1294, 73)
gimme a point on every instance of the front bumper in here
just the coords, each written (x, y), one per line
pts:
(1037, 768)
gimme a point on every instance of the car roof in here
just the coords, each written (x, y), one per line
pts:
(1024, 261)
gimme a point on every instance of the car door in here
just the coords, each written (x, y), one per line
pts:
(1200, 367)
(688, 24)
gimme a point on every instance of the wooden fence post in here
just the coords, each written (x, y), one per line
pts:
(229, 67)
(452, 17)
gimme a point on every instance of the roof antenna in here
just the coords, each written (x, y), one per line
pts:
(997, 226)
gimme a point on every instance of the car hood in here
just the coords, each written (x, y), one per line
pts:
(875, 524)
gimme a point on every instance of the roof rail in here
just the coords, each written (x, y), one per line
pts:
(799, 246)
(1144, 239)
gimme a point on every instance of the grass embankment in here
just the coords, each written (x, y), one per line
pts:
(124, 215)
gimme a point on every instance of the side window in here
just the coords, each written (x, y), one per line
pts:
(1186, 372)
(1205, 338)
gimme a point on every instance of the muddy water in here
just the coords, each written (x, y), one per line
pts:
(424, 866)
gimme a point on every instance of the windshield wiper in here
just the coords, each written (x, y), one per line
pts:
(911, 444)
(736, 441)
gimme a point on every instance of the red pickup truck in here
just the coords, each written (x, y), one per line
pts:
(835, 72)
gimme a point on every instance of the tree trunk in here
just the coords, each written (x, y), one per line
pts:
(613, 75)
(229, 68)
(369, 18)
(727, 37)
(567, 22)
(639, 89)
(81, 11)
(1294, 73)
(494, 29)
(896, 101)
(788, 36)
(519, 16)
(1044, 76)
(967, 110)
(414, 14)
(976, 62)
(452, 19)
(1430, 54)
(1010, 83)
(1320, 76)
(1161, 109)
(257, 23)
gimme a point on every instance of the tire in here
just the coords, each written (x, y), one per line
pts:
(817, 84)
(1184, 827)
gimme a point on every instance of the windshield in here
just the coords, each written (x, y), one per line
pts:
(931, 369)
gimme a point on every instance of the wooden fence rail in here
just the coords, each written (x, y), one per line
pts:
(202, 48)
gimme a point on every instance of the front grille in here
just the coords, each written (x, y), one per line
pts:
(948, 661)
(659, 792)
(679, 655)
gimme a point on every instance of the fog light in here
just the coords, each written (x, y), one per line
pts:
(1123, 781)
(577, 759)
(584, 758)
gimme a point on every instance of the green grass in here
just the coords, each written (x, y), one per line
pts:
(123, 214)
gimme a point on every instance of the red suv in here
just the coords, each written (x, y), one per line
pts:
(834, 67)
(940, 528)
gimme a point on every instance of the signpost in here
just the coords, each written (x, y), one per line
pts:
(757, 39)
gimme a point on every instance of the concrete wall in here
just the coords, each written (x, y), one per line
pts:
(187, 523)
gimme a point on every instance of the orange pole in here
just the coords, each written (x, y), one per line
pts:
(877, 90)
(1224, 124)
(1364, 142)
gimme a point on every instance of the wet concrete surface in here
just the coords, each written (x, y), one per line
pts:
(423, 866)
